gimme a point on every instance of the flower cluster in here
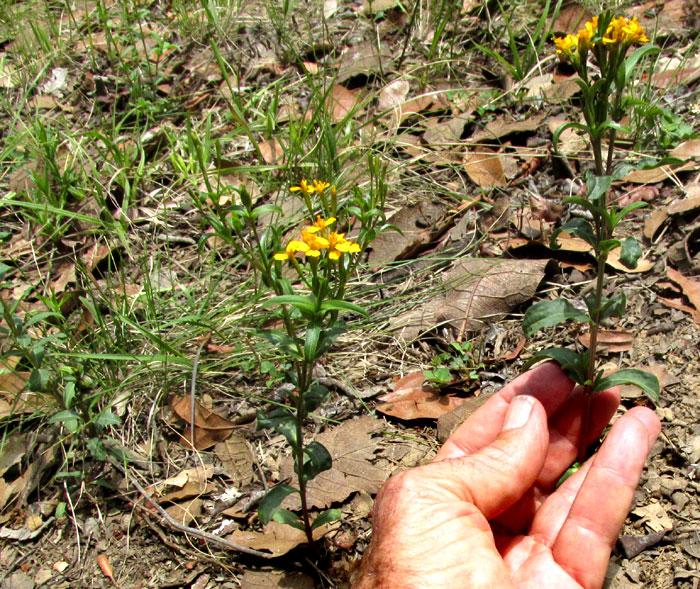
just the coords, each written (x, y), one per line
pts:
(316, 238)
(309, 188)
(620, 32)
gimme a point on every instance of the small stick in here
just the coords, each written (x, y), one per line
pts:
(182, 528)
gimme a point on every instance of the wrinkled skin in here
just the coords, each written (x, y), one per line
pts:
(485, 512)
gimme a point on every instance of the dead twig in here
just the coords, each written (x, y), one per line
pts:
(180, 527)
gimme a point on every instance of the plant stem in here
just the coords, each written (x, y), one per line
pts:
(304, 372)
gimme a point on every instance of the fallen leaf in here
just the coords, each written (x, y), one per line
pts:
(654, 516)
(414, 398)
(353, 447)
(654, 222)
(571, 18)
(271, 151)
(503, 126)
(236, 459)
(475, 291)
(392, 96)
(341, 102)
(616, 340)
(570, 142)
(375, 6)
(364, 60)
(691, 288)
(687, 149)
(185, 513)
(675, 71)
(485, 167)
(689, 202)
(276, 538)
(658, 174)
(643, 265)
(209, 428)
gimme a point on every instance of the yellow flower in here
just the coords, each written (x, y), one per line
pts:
(321, 224)
(586, 34)
(614, 31)
(566, 46)
(314, 242)
(634, 33)
(320, 186)
(338, 245)
(292, 248)
(304, 186)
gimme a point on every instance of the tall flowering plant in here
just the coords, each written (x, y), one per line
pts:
(600, 54)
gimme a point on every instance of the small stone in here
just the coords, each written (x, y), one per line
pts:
(680, 500)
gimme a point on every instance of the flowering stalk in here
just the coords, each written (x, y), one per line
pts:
(602, 79)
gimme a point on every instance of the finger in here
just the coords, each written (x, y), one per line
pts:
(496, 476)
(597, 500)
(547, 383)
(564, 434)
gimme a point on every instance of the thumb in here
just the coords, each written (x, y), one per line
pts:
(497, 476)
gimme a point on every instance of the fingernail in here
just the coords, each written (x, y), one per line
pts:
(518, 412)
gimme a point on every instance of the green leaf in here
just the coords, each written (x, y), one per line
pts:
(316, 460)
(631, 252)
(609, 307)
(97, 449)
(273, 419)
(270, 503)
(581, 228)
(4, 269)
(313, 334)
(68, 394)
(282, 341)
(564, 127)
(641, 378)
(257, 211)
(597, 185)
(284, 516)
(440, 375)
(568, 472)
(38, 381)
(574, 364)
(326, 517)
(314, 397)
(336, 305)
(68, 418)
(304, 304)
(634, 58)
(329, 335)
(550, 313)
(107, 418)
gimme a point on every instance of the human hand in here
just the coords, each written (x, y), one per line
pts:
(485, 512)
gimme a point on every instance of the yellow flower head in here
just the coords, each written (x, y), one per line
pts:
(338, 245)
(566, 46)
(291, 249)
(587, 33)
(321, 224)
(304, 186)
(320, 186)
(634, 33)
(314, 242)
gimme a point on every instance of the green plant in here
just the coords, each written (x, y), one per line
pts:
(309, 293)
(524, 55)
(459, 358)
(604, 104)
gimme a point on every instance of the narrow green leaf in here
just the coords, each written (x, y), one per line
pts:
(581, 228)
(550, 313)
(63, 416)
(68, 394)
(270, 503)
(304, 304)
(641, 378)
(597, 185)
(326, 517)
(313, 334)
(635, 56)
(336, 305)
(562, 128)
(38, 380)
(274, 418)
(630, 253)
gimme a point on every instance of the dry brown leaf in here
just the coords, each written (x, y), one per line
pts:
(687, 150)
(654, 222)
(374, 6)
(341, 102)
(665, 18)
(469, 5)
(615, 340)
(184, 513)
(390, 246)
(364, 60)
(691, 288)
(689, 202)
(658, 174)
(236, 459)
(95, 255)
(209, 428)
(571, 18)
(475, 291)
(503, 126)
(414, 398)
(66, 276)
(277, 539)
(392, 96)
(271, 151)
(570, 142)
(353, 447)
(643, 265)
(674, 71)
(485, 167)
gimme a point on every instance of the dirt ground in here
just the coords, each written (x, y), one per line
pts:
(215, 490)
